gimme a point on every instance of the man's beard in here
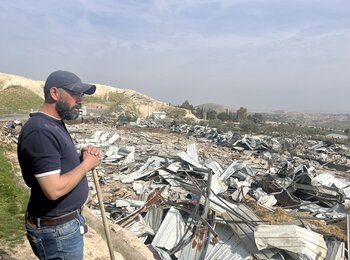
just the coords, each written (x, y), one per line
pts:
(65, 112)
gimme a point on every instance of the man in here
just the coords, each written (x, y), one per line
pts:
(55, 172)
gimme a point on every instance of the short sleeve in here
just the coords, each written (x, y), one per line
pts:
(43, 152)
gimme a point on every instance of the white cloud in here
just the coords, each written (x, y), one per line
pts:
(187, 47)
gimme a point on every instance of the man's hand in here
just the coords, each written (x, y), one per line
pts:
(91, 155)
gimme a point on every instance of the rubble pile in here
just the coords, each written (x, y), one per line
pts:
(188, 205)
(208, 195)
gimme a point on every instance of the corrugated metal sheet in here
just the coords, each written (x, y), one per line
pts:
(229, 171)
(238, 169)
(169, 177)
(243, 222)
(217, 185)
(219, 205)
(95, 138)
(129, 202)
(114, 138)
(154, 217)
(154, 163)
(104, 136)
(192, 152)
(215, 166)
(229, 247)
(328, 180)
(291, 238)
(171, 230)
(174, 167)
(138, 186)
(112, 154)
(196, 249)
(172, 180)
(336, 250)
(185, 157)
(129, 158)
(140, 228)
(158, 253)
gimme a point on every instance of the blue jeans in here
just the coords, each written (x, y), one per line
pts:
(57, 242)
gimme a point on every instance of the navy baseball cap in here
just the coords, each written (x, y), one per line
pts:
(69, 81)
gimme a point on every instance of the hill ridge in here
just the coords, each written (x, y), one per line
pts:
(145, 104)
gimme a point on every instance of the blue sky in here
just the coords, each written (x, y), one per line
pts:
(261, 54)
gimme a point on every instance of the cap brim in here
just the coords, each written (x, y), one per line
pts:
(87, 89)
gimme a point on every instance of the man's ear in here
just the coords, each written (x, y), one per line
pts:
(54, 93)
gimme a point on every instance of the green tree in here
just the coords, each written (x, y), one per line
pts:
(257, 118)
(242, 113)
(248, 126)
(211, 114)
(223, 116)
(199, 112)
(232, 116)
(187, 105)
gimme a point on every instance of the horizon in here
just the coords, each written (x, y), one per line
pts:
(264, 55)
(230, 108)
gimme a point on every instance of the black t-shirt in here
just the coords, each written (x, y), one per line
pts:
(45, 147)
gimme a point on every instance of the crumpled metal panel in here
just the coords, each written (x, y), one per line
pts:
(229, 247)
(215, 167)
(114, 138)
(243, 222)
(154, 163)
(196, 249)
(292, 239)
(336, 249)
(154, 217)
(328, 180)
(238, 169)
(185, 157)
(171, 230)
(192, 152)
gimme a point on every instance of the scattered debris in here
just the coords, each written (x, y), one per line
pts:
(193, 192)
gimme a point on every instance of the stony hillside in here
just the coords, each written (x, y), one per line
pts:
(128, 99)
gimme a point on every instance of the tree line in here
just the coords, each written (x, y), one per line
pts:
(245, 122)
(228, 116)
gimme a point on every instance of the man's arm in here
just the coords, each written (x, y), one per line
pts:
(56, 185)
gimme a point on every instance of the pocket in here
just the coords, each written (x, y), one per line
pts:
(68, 229)
(36, 245)
(69, 240)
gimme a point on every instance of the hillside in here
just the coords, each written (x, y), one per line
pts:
(339, 121)
(17, 99)
(21, 94)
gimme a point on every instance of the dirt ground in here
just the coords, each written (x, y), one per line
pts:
(95, 249)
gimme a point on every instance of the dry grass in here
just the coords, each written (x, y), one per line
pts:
(281, 216)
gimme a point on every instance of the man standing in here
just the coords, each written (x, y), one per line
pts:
(54, 170)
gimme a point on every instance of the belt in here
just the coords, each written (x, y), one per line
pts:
(52, 221)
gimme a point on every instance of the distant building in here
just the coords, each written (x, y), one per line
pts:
(83, 111)
(158, 115)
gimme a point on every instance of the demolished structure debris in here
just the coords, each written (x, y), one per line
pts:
(192, 192)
